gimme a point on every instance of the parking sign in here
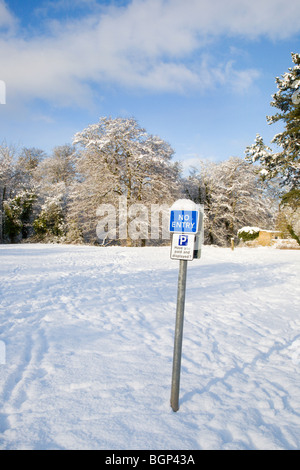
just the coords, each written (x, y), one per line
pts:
(182, 246)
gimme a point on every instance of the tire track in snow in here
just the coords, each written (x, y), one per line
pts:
(16, 388)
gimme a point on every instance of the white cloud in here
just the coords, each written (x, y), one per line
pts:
(7, 19)
(148, 44)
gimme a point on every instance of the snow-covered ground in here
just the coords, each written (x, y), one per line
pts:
(88, 336)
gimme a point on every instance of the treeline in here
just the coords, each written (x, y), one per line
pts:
(54, 198)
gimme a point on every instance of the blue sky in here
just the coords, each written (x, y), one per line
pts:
(198, 73)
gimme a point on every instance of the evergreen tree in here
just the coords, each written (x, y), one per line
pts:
(50, 223)
(17, 215)
(54, 176)
(285, 163)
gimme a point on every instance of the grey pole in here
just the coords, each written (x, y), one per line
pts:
(178, 335)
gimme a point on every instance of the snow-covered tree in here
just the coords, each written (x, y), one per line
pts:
(50, 222)
(118, 158)
(286, 162)
(17, 215)
(34, 191)
(53, 178)
(233, 197)
(59, 167)
(288, 220)
(29, 159)
(7, 180)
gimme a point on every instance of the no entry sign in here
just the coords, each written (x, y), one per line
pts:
(184, 221)
(186, 227)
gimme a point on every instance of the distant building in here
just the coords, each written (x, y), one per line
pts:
(255, 236)
(268, 237)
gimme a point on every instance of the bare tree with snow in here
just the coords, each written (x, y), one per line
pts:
(233, 196)
(117, 159)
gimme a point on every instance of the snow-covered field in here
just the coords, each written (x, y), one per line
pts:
(88, 336)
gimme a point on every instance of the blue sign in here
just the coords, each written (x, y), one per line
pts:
(184, 221)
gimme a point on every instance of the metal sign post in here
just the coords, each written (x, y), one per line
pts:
(178, 335)
(186, 226)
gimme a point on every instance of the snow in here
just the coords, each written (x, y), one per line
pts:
(185, 205)
(264, 172)
(296, 96)
(88, 335)
(250, 230)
